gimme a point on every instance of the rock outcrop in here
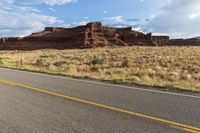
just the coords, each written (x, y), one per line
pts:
(87, 36)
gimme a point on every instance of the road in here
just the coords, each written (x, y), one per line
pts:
(40, 103)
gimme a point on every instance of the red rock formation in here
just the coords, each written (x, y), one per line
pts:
(90, 35)
(2, 40)
(160, 40)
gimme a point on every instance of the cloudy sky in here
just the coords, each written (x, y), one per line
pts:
(177, 18)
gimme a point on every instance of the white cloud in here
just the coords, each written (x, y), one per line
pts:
(178, 18)
(7, 1)
(80, 18)
(194, 15)
(76, 23)
(49, 2)
(105, 12)
(52, 9)
(115, 19)
(18, 20)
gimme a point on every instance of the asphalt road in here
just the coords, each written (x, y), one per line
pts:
(40, 103)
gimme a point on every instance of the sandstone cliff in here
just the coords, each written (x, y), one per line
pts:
(87, 36)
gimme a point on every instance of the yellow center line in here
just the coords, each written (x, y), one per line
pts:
(180, 125)
(189, 130)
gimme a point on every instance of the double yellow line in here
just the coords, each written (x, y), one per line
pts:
(172, 123)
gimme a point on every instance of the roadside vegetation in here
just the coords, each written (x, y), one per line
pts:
(170, 67)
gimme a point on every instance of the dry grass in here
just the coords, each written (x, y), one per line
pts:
(171, 67)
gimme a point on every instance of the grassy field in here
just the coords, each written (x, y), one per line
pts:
(171, 67)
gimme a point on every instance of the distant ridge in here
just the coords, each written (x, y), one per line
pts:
(198, 37)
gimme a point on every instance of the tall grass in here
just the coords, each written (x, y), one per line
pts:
(172, 67)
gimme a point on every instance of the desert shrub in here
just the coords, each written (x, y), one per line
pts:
(70, 69)
(186, 77)
(97, 60)
(146, 78)
(142, 72)
(151, 72)
(41, 61)
(52, 67)
(135, 78)
(52, 56)
(172, 78)
(5, 61)
(59, 63)
(82, 68)
(43, 56)
(126, 63)
(117, 71)
(197, 76)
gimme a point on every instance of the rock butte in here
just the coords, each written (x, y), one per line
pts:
(88, 36)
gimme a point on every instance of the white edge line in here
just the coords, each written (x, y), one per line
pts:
(108, 84)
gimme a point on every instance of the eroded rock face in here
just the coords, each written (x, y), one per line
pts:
(91, 35)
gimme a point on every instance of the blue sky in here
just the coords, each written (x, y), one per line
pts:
(176, 18)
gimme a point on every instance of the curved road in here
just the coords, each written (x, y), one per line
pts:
(41, 103)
